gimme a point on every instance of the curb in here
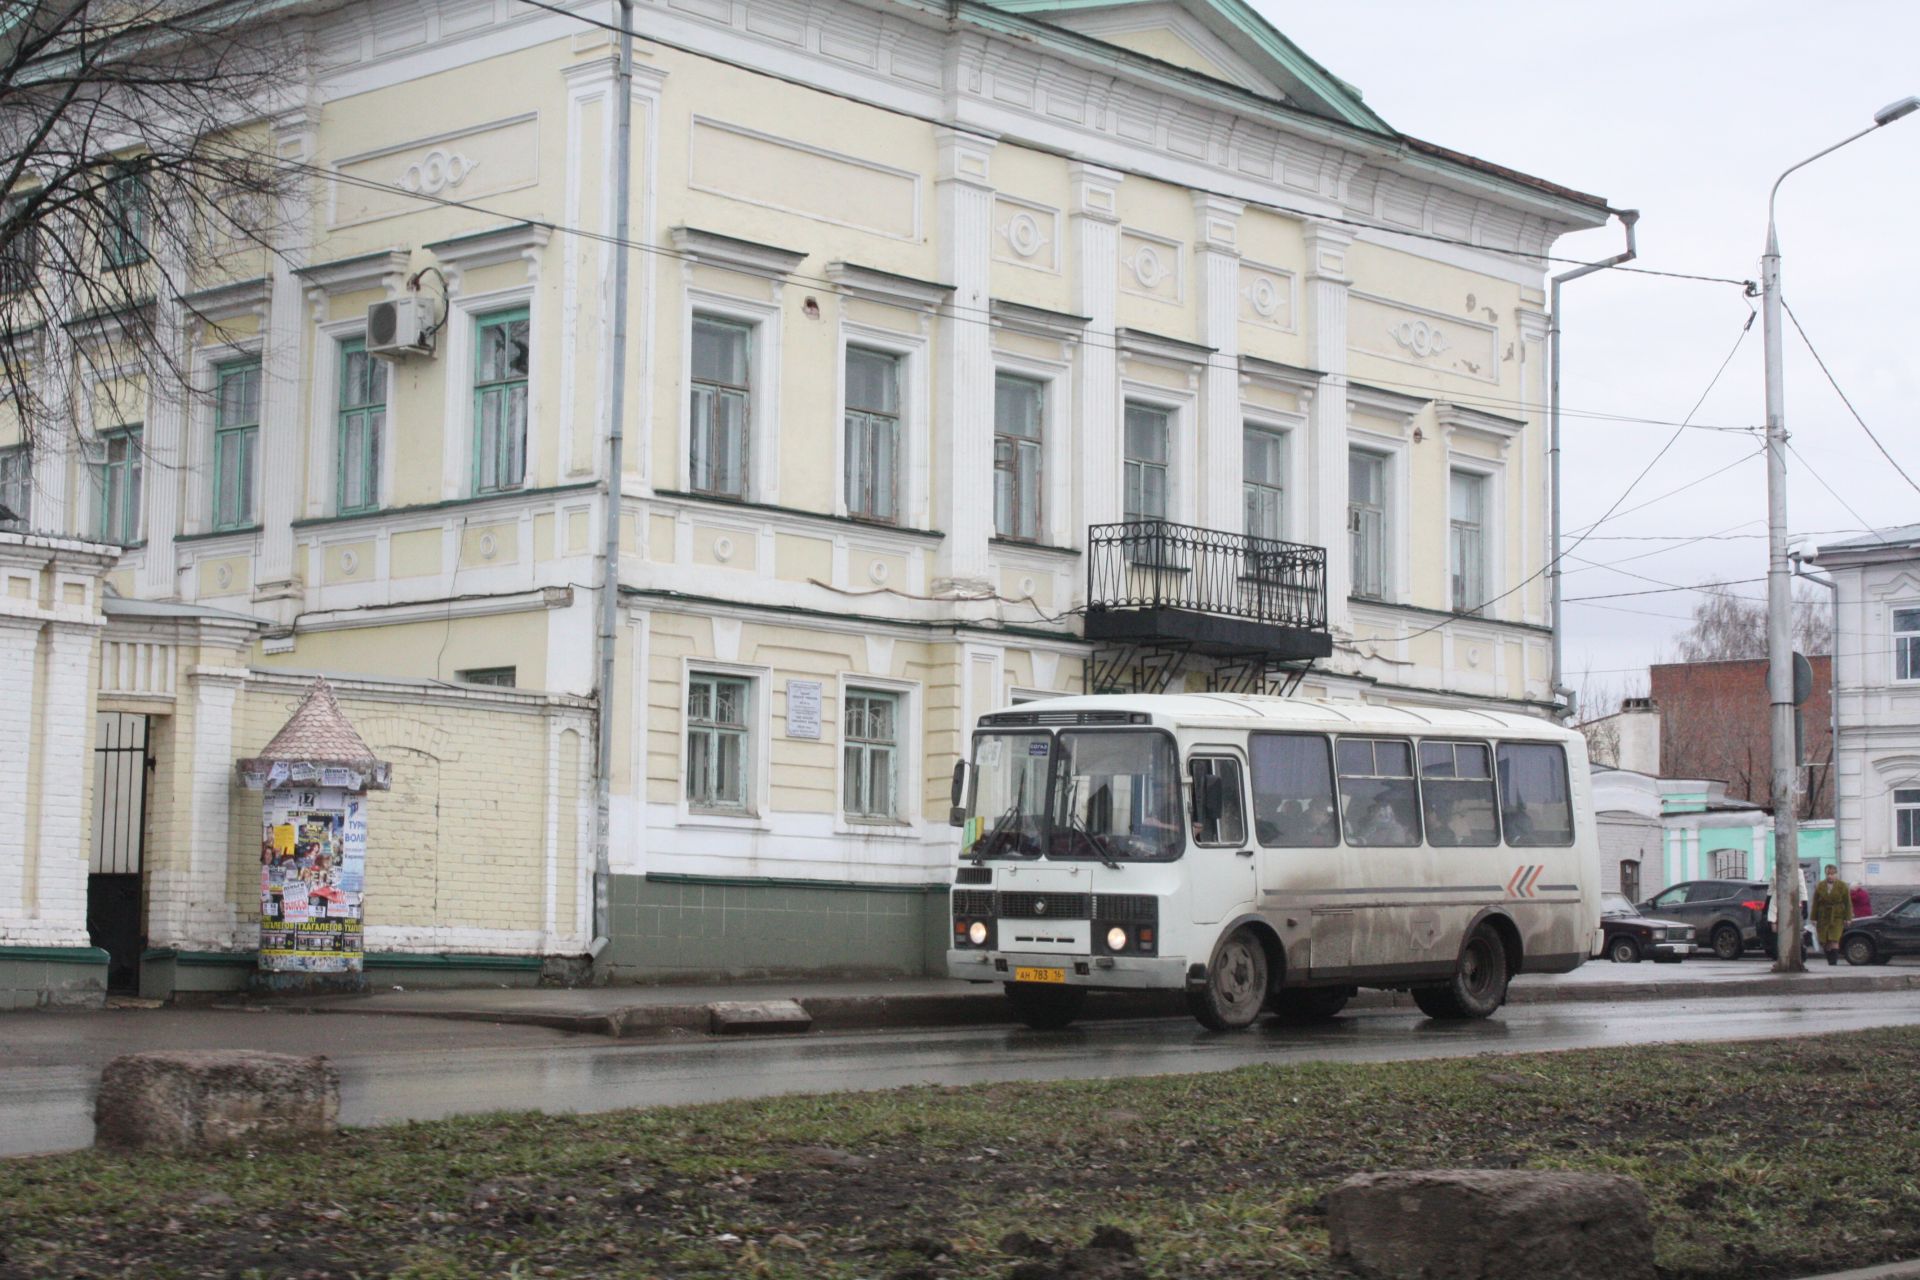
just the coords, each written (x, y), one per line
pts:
(1888, 1271)
(986, 1007)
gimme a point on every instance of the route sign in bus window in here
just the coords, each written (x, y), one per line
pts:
(1293, 791)
(1535, 807)
(1379, 800)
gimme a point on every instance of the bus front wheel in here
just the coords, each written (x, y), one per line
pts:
(1045, 1007)
(1479, 984)
(1236, 985)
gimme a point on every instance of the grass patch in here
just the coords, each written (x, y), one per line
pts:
(1760, 1160)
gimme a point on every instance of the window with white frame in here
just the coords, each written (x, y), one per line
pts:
(1367, 522)
(20, 254)
(116, 486)
(1147, 450)
(16, 487)
(129, 202)
(870, 755)
(873, 435)
(362, 424)
(1729, 864)
(1018, 408)
(236, 443)
(1264, 481)
(1466, 541)
(1906, 818)
(502, 350)
(720, 417)
(718, 741)
(1906, 644)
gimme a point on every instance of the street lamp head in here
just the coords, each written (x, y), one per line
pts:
(1894, 110)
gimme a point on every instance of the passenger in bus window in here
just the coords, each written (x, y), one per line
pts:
(1293, 791)
(1379, 805)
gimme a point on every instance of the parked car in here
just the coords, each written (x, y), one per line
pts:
(1632, 937)
(1728, 916)
(1878, 939)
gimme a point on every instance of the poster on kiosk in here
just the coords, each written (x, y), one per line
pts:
(313, 857)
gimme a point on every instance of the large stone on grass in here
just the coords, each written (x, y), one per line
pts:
(758, 1017)
(194, 1100)
(1491, 1224)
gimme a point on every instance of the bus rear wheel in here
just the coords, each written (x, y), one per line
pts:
(1312, 1004)
(1045, 1007)
(1236, 985)
(1479, 984)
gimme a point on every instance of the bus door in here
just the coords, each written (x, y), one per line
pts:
(1221, 870)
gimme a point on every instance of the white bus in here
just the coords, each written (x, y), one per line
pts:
(1269, 854)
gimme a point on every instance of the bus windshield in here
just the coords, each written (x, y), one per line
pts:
(1109, 796)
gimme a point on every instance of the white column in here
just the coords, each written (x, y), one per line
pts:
(19, 648)
(199, 917)
(281, 495)
(1216, 237)
(1531, 527)
(964, 451)
(58, 908)
(1096, 274)
(1327, 285)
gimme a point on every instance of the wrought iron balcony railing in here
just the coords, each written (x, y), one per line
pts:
(1155, 564)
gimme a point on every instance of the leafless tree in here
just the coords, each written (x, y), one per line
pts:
(137, 168)
(1599, 699)
(1729, 626)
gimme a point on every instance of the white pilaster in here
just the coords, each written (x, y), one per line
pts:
(1532, 524)
(281, 495)
(19, 650)
(1216, 237)
(57, 907)
(964, 451)
(189, 901)
(1096, 272)
(1327, 285)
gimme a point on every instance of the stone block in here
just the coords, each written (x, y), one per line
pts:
(193, 1100)
(757, 1017)
(1491, 1224)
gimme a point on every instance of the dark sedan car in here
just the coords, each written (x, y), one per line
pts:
(1632, 937)
(1878, 939)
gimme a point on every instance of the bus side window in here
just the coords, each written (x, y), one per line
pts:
(1230, 826)
(1379, 800)
(1535, 806)
(1456, 794)
(1293, 791)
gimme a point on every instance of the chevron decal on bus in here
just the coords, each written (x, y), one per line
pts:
(1525, 881)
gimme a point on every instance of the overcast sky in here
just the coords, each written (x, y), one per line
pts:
(1687, 110)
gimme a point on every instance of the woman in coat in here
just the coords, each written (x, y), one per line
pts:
(1832, 909)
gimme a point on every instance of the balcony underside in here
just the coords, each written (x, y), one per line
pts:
(1208, 634)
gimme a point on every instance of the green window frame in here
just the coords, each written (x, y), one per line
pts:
(870, 755)
(501, 356)
(719, 755)
(116, 487)
(129, 203)
(236, 442)
(361, 429)
(16, 486)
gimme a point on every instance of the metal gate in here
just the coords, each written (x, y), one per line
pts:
(115, 920)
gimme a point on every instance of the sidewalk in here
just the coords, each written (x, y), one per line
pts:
(635, 1011)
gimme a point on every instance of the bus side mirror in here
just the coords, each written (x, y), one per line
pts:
(1209, 798)
(957, 815)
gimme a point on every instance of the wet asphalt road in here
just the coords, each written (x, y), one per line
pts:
(45, 1104)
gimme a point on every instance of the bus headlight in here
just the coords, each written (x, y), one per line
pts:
(977, 933)
(1116, 939)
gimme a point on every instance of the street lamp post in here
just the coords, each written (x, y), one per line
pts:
(1786, 827)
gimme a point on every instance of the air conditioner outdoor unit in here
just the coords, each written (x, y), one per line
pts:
(401, 327)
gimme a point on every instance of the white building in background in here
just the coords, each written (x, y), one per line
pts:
(1877, 707)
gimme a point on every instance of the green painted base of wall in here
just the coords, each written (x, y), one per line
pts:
(52, 977)
(200, 975)
(687, 928)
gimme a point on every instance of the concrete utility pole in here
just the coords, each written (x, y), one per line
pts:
(1786, 826)
(608, 637)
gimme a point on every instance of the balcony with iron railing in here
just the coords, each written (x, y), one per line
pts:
(1228, 595)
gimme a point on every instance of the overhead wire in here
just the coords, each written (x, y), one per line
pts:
(1835, 384)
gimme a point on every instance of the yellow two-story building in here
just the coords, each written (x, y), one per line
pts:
(978, 352)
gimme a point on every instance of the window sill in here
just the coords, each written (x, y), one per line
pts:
(728, 819)
(1030, 544)
(861, 822)
(210, 535)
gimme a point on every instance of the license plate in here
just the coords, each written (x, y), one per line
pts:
(1039, 975)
